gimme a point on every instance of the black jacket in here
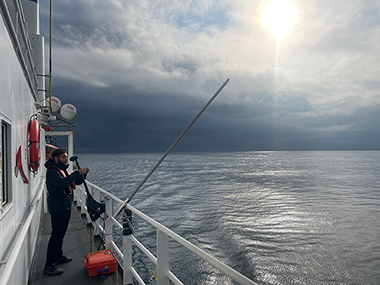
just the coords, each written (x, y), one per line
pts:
(59, 197)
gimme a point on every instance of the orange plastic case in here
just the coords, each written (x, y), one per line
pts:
(100, 263)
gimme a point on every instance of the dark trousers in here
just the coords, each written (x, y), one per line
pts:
(59, 223)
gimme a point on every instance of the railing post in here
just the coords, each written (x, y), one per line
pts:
(45, 199)
(127, 247)
(76, 195)
(96, 195)
(108, 222)
(127, 261)
(83, 200)
(162, 258)
(88, 219)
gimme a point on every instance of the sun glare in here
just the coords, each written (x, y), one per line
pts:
(279, 16)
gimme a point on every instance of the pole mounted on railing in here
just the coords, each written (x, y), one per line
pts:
(94, 208)
(170, 148)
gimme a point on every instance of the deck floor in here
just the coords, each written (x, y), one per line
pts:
(76, 245)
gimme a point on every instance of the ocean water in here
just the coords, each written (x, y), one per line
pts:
(276, 217)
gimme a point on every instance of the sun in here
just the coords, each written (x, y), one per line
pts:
(279, 16)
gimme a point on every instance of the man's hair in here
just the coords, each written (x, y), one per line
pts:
(58, 152)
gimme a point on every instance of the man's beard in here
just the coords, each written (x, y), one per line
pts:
(61, 164)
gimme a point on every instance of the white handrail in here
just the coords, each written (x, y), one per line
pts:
(113, 197)
(238, 277)
(144, 249)
(241, 279)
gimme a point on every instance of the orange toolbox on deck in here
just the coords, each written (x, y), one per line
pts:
(100, 263)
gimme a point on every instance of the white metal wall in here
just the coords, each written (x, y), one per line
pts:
(16, 108)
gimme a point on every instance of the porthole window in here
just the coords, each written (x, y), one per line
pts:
(5, 164)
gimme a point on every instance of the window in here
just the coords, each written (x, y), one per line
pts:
(5, 164)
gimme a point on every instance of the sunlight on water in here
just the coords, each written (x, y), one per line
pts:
(276, 217)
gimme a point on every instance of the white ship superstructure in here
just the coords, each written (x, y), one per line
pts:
(21, 63)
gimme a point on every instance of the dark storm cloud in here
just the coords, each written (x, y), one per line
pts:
(139, 72)
(134, 122)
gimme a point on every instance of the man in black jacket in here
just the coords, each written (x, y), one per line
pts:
(60, 186)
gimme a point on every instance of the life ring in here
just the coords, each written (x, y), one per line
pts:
(34, 145)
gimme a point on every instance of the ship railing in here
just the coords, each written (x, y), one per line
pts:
(161, 260)
(17, 25)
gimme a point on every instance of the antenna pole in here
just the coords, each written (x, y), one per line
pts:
(170, 149)
(50, 52)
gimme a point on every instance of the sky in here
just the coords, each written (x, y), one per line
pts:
(139, 71)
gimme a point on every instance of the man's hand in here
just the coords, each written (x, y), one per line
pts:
(84, 170)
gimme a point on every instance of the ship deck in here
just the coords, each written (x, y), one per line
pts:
(76, 245)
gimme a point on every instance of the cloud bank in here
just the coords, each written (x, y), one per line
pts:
(139, 71)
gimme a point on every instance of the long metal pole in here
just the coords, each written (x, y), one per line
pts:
(50, 52)
(170, 148)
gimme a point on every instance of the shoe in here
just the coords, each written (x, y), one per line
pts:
(62, 259)
(52, 270)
